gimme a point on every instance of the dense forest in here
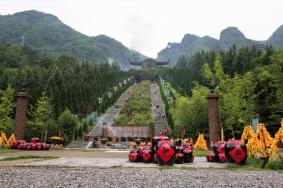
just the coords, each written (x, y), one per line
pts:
(250, 87)
(63, 83)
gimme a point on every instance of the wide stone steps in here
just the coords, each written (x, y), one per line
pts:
(160, 122)
(96, 132)
(110, 114)
(78, 144)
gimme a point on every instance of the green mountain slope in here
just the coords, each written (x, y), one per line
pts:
(188, 46)
(49, 35)
(276, 38)
(233, 36)
(228, 37)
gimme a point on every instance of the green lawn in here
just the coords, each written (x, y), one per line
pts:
(7, 150)
(28, 157)
(137, 110)
(255, 164)
(200, 153)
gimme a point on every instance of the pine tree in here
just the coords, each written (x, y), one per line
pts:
(6, 110)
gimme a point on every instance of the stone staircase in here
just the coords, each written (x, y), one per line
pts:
(110, 114)
(159, 118)
(97, 131)
(78, 144)
(160, 125)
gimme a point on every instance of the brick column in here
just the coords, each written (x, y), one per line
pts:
(21, 112)
(213, 118)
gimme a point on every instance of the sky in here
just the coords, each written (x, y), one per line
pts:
(148, 25)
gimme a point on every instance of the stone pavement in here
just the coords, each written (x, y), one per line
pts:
(91, 158)
(199, 162)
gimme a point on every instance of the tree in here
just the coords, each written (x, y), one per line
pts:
(80, 132)
(191, 112)
(216, 75)
(276, 72)
(6, 110)
(237, 103)
(68, 124)
(41, 113)
(207, 73)
(268, 87)
(85, 125)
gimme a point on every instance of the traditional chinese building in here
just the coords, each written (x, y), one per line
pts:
(149, 63)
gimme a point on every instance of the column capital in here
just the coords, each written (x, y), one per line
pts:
(212, 95)
(23, 94)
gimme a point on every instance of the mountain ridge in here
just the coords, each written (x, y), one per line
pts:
(49, 35)
(230, 36)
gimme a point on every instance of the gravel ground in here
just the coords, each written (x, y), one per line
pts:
(129, 177)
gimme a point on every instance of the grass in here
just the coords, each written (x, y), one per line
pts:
(200, 153)
(86, 150)
(29, 157)
(93, 150)
(167, 167)
(137, 109)
(176, 168)
(57, 148)
(7, 150)
(275, 165)
(254, 164)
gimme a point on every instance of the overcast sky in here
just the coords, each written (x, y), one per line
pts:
(148, 25)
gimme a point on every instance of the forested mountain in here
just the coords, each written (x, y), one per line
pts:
(68, 83)
(58, 86)
(250, 85)
(47, 34)
(230, 36)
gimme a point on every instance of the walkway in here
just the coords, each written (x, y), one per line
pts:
(199, 162)
(160, 122)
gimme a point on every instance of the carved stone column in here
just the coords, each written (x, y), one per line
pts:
(21, 114)
(213, 118)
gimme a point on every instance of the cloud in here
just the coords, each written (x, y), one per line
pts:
(141, 32)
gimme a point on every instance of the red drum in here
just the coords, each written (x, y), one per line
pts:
(236, 152)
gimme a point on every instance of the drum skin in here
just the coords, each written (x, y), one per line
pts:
(179, 158)
(218, 152)
(236, 152)
(134, 155)
(165, 151)
(188, 155)
(146, 155)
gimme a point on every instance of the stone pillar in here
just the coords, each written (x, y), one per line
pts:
(105, 132)
(213, 118)
(21, 114)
